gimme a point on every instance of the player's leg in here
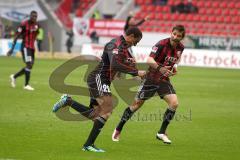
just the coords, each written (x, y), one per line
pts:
(146, 91)
(13, 77)
(100, 90)
(127, 114)
(106, 107)
(168, 93)
(67, 100)
(29, 60)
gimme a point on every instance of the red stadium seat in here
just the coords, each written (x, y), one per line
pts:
(171, 2)
(166, 16)
(152, 16)
(200, 4)
(158, 9)
(236, 19)
(227, 19)
(148, 1)
(202, 11)
(144, 8)
(226, 11)
(215, 4)
(79, 12)
(210, 11)
(174, 17)
(150, 8)
(196, 17)
(189, 17)
(207, 4)
(212, 19)
(222, 26)
(139, 2)
(181, 17)
(159, 16)
(218, 11)
(233, 12)
(231, 5)
(223, 4)
(166, 9)
(220, 19)
(237, 5)
(204, 18)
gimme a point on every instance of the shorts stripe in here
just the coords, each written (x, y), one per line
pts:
(26, 57)
(99, 84)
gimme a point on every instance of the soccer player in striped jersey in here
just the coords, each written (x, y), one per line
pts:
(28, 30)
(115, 58)
(162, 64)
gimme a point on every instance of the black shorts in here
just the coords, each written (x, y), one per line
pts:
(148, 89)
(28, 55)
(98, 86)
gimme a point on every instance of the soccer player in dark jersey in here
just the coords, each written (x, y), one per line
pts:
(28, 30)
(131, 22)
(162, 64)
(115, 58)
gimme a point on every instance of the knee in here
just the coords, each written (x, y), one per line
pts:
(136, 105)
(106, 115)
(174, 104)
(29, 66)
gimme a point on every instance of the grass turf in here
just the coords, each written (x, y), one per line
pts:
(206, 125)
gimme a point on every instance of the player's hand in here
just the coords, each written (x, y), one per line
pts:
(131, 13)
(9, 53)
(131, 60)
(141, 73)
(146, 18)
(174, 71)
(166, 71)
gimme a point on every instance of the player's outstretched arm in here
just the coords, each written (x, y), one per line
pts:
(165, 70)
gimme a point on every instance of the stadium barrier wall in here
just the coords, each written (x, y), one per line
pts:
(6, 44)
(190, 57)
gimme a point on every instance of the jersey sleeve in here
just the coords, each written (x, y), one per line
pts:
(156, 50)
(21, 29)
(119, 60)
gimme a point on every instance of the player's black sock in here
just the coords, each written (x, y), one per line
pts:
(27, 76)
(97, 127)
(168, 116)
(127, 114)
(19, 73)
(85, 111)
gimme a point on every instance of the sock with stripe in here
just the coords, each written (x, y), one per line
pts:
(27, 76)
(127, 114)
(19, 73)
(83, 110)
(168, 116)
(97, 127)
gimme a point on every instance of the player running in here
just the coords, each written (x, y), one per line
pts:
(28, 30)
(115, 58)
(162, 64)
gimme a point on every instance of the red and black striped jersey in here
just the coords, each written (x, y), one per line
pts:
(165, 55)
(29, 32)
(116, 58)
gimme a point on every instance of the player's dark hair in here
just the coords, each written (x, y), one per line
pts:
(33, 11)
(180, 28)
(135, 31)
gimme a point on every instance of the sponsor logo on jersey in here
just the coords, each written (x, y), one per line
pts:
(154, 49)
(115, 51)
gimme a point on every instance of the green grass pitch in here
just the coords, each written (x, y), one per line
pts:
(207, 124)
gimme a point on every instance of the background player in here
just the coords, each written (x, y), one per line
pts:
(164, 55)
(28, 30)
